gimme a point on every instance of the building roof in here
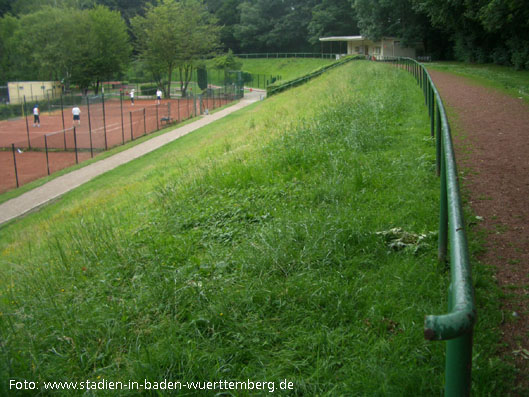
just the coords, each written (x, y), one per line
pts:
(351, 38)
(343, 38)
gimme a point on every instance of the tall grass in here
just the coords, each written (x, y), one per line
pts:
(252, 249)
(504, 78)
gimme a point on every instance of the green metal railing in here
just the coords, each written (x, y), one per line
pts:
(276, 88)
(288, 55)
(456, 327)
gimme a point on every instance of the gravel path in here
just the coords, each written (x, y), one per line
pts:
(492, 147)
(50, 191)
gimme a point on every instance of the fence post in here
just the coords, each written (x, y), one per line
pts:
(46, 148)
(122, 124)
(157, 123)
(75, 145)
(131, 128)
(63, 126)
(27, 124)
(15, 162)
(144, 123)
(104, 121)
(89, 128)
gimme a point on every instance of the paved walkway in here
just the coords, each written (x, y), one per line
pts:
(50, 191)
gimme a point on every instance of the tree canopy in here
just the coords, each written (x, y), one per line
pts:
(74, 39)
(80, 46)
(176, 35)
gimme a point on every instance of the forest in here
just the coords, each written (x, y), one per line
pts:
(97, 39)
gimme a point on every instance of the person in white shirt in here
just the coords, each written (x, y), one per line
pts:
(36, 116)
(159, 96)
(132, 97)
(76, 115)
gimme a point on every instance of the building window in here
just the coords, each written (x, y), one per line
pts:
(357, 50)
(377, 50)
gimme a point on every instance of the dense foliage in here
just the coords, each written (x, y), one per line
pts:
(44, 39)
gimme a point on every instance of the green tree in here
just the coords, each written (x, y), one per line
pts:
(226, 63)
(176, 36)
(68, 44)
(43, 46)
(332, 18)
(229, 15)
(108, 45)
(398, 18)
(22, 7)
(274, 25)
(5, 7)
(483, 30)
(8, 27)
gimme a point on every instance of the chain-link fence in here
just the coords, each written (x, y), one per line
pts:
(80, 127)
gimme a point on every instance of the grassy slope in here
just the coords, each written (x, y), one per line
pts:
(287, 68)
(248, 250)
(506, 79)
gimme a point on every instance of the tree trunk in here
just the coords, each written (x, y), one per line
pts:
(183, 87)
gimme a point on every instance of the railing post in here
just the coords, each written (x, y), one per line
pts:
(432, 113)
(438, 142)
(458, 368)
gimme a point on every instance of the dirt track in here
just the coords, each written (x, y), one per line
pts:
(491, 132)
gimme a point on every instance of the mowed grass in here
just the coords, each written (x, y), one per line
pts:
(503, 78)
(287, 68)
(250, 249)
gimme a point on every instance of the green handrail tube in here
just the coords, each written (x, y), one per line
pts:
(456, 326)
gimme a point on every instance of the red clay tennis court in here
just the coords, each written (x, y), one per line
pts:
(28, 152)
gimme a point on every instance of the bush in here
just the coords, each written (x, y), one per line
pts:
(10, 111)
(148, 89)
(519, 53)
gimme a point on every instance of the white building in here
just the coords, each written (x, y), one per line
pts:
(359, 45)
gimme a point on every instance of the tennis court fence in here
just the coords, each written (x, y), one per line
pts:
(106, 121)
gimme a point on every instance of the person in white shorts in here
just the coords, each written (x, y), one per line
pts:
(76, 115)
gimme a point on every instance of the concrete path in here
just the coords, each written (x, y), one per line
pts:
(48, 192)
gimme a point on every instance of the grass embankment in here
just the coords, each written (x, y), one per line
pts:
(287, 68)
(503, 78)
(249, 249)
